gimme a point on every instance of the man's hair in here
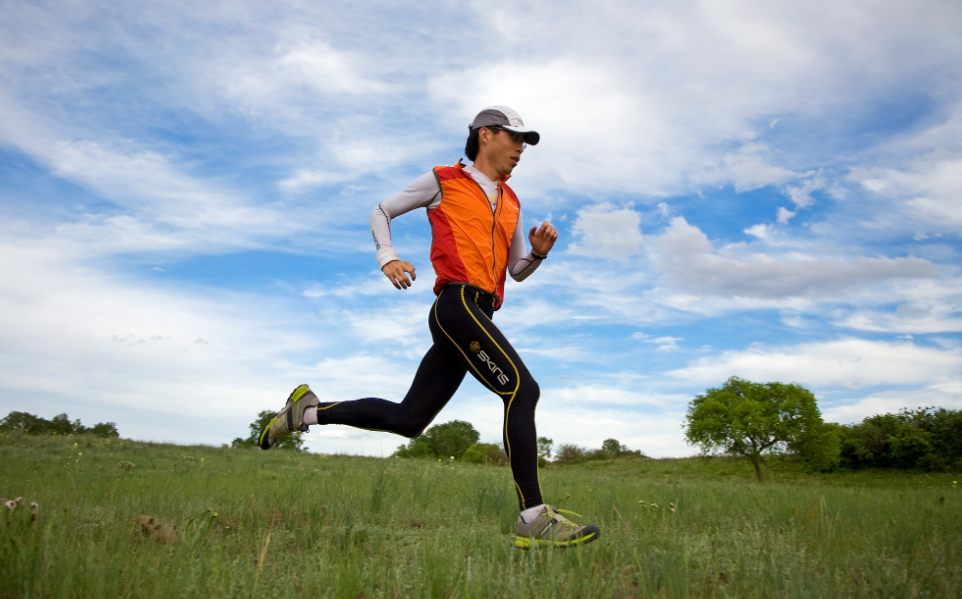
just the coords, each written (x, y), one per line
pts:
(472, 146)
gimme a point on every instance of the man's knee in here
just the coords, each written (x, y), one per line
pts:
(528, 393)
(412, 426)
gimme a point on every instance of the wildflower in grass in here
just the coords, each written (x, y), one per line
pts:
(18, 500)
(654, 505)
(673, 510)
(670, 504)
(641, 502)
(11, 504)
(34, 505)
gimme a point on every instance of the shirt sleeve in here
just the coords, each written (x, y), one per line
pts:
(521, 264)
(424, 192)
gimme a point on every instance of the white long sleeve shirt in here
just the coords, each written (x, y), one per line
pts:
(425, 192)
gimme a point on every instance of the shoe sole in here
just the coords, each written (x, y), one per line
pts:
(294, 397)
(528, 542)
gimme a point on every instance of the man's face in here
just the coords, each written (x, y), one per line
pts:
(502, 150)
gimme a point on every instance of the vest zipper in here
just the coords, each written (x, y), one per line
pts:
(494, 226)
(494, 253)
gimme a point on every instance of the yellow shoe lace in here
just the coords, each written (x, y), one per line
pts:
(561, 520)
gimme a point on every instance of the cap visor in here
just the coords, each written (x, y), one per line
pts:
(530, 137)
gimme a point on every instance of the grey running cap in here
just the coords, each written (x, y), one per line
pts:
(506, 118)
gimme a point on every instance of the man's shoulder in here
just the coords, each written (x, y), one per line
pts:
(446, 172)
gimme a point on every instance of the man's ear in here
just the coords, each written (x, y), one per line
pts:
(484, 135)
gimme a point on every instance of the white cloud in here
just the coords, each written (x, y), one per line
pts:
(585, 415)
(689, 263)
(310, 178)
(606, 231)
(748, 169)
(948, 396)
(926, 192)
(401, 324)
(801, 195)
(324, 68)
(850, 363)
(663, 343)
(907, 318)
(86, 337)
(599, 395)
(785, 215)
(593, 413)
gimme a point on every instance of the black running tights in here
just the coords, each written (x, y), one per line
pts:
(465, 340)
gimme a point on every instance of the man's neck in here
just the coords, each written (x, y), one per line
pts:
(485, 167)
(476, 171)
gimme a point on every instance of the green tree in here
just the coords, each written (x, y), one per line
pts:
(926, 438)
(452, 438)
(614, 447)
(23, 422)
(820, 447)
(749, 419)
(485, 453)
(104, 429)
(544, 448)
(60, 424)
(292, 442)
(418, 447)
(569, 453)
(441, 441)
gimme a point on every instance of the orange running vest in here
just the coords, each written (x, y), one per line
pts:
(470, 242)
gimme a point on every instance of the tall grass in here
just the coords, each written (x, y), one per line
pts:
(255, 524)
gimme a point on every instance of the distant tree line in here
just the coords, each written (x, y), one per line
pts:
(443, 441)
(28, 424)
(739, 418)
(926, 439)
(459, 440)
(610, 449)
(749, 419)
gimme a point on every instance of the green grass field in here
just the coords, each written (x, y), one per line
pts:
(277, 524)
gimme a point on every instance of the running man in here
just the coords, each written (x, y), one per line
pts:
(477, 238)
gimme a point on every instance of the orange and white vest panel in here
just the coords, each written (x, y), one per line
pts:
(471, 242)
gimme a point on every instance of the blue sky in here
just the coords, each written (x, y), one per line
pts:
(771, 190)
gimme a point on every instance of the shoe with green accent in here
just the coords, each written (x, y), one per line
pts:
(291, 418)
(551, 528)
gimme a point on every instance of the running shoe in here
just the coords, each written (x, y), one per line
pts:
(291, 418)
(551, 528)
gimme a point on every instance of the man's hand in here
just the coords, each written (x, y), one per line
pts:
(397, 272)
(542, 239)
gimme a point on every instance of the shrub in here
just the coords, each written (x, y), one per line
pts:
(569, 453)
(450, 439)
(927, 438)
(60, 424)
(485, 453)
